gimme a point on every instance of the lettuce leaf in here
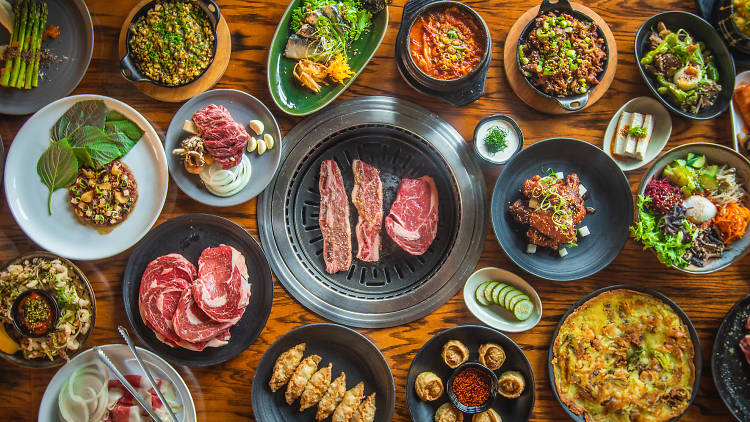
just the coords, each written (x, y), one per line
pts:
(669, 249)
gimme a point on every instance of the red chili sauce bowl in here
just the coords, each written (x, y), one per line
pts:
(472, 388)
(35, 313)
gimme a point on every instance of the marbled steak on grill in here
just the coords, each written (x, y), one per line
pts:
(334, 219)
(367, 196)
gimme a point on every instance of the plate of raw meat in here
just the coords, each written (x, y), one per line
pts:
(547, 223)
(197, 290)
(730, 360)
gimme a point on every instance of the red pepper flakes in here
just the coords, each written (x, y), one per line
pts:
(471, 387)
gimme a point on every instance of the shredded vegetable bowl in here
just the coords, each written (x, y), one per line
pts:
(59, 278)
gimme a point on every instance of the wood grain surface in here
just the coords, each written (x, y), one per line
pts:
(222, 393)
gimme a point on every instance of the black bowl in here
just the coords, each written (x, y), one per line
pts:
(697, 355)
(493, 388)
(728, 366)
(443, 85)
(701, 31)
(571, 102)
(609, 194)
(17, 318)
(733, 36)
(129, 67)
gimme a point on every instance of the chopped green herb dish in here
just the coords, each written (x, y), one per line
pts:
(496, 139)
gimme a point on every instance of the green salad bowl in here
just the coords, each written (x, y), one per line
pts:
(293, 98)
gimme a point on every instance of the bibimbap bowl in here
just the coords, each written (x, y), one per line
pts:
(573, 102)
(715, 155)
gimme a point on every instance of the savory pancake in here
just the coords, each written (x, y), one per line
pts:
(624, 356)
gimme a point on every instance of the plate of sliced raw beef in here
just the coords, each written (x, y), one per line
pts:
(198, 290)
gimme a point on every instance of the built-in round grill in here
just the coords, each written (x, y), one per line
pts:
(401, 140)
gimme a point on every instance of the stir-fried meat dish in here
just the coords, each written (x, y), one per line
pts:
(552, 208)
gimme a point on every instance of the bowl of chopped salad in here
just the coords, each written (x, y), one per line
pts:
(692, 208)
(52, 294)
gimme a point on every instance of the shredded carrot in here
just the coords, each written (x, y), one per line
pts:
(338, 69)
(732, 222)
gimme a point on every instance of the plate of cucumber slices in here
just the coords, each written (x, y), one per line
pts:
(502, 300)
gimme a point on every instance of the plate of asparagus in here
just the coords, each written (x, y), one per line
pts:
(45, 50)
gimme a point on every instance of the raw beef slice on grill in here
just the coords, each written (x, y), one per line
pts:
(367, 196)
(412, 221)
(221, 289)
(334, 219)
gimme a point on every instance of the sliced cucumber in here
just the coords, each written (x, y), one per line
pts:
(510, 297)
(488, 290)
(708, 182)
(496, 291)
(479, 294)
(516, 300)
(697, 161)
(712, 170)
(523, 310)
(501, 298)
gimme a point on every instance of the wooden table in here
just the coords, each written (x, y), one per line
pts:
(222, 393)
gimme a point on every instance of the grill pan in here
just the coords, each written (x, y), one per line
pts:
(402, 141)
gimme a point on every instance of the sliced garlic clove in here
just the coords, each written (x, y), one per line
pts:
(268, 139)
(261, 147)
(251, 144)
(256, 126)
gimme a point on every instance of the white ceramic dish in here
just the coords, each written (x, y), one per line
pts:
(738, 126)
(61, 233)
(662, 131)
(496, 316)
(123, 360)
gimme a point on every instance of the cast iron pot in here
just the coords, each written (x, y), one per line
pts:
(571, 102)
(729, 30)
(129, 67)
(444, 85)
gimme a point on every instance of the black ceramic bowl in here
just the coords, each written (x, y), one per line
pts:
(493, 388)
(128, 65)
(697, 355)
(571, 102)
(608, 193)
(16, 314)
(729, 368)
(443, 85)
(701, 31)
(723, 14)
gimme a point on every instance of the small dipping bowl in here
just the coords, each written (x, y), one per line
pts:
(21, 326)
(491, 385)
(514, 139)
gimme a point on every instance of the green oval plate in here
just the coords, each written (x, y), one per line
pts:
(296, 100)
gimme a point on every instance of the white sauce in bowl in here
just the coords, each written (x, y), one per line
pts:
(511, 139)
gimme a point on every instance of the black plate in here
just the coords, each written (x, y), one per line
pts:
(76, 42)
(701, 31)
(697, 356)
(428, 358)
(609, 195)
(708, 11)
(349, 352)
(189, 235)
(730, 370)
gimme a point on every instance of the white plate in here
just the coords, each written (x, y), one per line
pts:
(123, 359)
(61, 233)
(494, 315)
(659, 138)
(738, 126)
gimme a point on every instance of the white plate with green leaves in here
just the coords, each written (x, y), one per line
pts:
(69, 134)
(502, 300)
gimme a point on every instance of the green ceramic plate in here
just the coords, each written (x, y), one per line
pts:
(291, 97)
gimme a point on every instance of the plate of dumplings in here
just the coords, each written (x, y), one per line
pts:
(323, 372)
(451, 350)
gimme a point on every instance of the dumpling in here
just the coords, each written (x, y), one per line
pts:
(331, 398)
(301, 375)
(316, 387)
(348, 404)
(448, 413)
(285, 365)
(366, 411)
(455, 353)
(491, 355)
(428, 386)
(511, 384)
(488, 416)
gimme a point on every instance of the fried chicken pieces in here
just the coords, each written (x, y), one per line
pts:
(314, 386)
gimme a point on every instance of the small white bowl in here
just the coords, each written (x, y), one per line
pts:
(494, 315)
(662, 131)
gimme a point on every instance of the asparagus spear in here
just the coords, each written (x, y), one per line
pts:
(5, 78)
(33, 48)
(33, 21)
(21, 40)
(42, 27)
